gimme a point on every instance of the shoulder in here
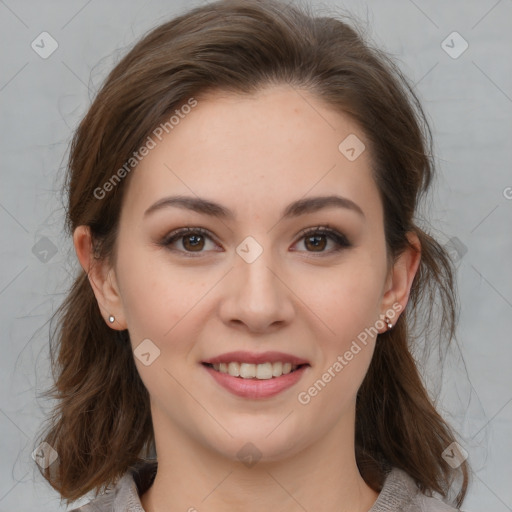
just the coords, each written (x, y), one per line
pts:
(125, 495)
(400, 493)
(109, 500)
(102, 503)
(428, 504)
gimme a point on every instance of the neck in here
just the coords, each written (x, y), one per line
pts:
(192, 477)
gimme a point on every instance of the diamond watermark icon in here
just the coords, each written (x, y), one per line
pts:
(249, 454)
(454, 455)
(44, 455)
(249, 250)
(351, 147)
(44, 249)
(44, 45)
(456, 249)
(454, 45)
(146, 352)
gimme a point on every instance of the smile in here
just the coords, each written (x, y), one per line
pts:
(261, 371)
(256, 381)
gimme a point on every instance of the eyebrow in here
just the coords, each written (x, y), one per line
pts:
(300, 207)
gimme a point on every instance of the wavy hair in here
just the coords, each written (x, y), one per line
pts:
(101, 424)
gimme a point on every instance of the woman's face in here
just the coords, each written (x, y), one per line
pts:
(252, 281)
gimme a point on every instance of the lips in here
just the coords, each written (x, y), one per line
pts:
(256, 358)
(254, 389)
(252, 379)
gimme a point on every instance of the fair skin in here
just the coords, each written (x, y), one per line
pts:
(254, 155)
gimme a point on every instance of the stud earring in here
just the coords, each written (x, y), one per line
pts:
(388, 322)
(111, 319)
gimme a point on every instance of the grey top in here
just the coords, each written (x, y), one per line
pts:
(399, 494)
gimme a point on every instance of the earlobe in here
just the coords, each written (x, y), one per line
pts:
(401, 277)
(100, 278)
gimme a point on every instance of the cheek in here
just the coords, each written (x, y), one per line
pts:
(162, 304)
(349, 308)
(345, 298)
(157, 297)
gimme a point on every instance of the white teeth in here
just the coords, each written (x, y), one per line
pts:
(262, 371)
(287, 368)
(247, 371)
(234, 369)
(277, 369)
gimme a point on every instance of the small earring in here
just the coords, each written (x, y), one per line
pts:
(111, 319)
(388, 322)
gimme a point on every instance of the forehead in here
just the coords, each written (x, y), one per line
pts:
(255, 153)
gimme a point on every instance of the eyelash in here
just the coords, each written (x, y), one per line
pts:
(340, 240)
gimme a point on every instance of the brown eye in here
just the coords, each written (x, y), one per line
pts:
(316, 240)
(193, 240)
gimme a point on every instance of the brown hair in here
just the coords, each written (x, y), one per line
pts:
(101, 424)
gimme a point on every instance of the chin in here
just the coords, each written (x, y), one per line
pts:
(251, 444)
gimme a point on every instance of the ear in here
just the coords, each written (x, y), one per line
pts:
(101, 277)
(400, 278)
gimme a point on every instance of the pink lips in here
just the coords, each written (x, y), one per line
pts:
(256, 388)
(241, 356)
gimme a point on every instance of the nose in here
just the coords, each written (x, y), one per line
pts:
(257, 295)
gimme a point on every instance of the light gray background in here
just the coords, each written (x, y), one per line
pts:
(469, 103)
